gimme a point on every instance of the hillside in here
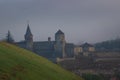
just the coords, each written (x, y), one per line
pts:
(20, 64)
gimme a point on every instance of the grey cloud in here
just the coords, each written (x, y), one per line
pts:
(85, 20)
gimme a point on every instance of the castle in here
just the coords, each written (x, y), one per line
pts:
(53, 50)
(48, 49)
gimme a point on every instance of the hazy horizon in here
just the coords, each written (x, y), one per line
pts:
(81, 20)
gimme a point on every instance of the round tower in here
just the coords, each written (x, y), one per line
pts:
(60, 44)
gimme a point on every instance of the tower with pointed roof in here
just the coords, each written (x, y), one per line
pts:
(29, 39)
(60, 44)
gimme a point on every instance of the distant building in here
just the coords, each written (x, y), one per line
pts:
(78, 50)
(48, 49)
(85, 49)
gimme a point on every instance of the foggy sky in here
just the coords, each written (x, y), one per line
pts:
(81, 20)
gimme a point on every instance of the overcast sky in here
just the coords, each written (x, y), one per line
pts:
(81, 20)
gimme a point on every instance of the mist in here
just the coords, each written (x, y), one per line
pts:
(81, 20)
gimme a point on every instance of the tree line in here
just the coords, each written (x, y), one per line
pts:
(109, 45)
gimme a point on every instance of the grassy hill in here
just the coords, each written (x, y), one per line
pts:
(20, 64)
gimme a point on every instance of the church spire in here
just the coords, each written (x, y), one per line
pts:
(29, 39)
(28, 31)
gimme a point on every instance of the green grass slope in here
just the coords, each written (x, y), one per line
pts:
(20, 64)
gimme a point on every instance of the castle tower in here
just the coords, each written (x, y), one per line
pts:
(60, 44)
(29, 39)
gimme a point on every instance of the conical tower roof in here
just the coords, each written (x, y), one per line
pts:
(28, 31)
(59, 32)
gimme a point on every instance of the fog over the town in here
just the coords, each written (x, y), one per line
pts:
(81, 20)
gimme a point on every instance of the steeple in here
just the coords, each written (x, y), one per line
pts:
(28, 31)
(29, 39)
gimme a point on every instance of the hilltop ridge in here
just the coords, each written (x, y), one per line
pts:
(19, 64)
